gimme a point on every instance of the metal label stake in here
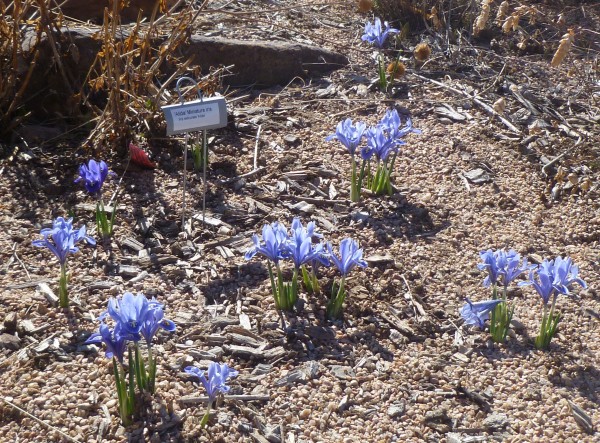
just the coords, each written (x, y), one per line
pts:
(198, 115)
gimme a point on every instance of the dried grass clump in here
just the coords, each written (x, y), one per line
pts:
(14, 75)
(127, 69)
(414, 12)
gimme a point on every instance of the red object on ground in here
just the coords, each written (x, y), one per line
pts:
(139, 157)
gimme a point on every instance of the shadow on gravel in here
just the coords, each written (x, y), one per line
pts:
(584, 379)
(245, 276)
(399, 218)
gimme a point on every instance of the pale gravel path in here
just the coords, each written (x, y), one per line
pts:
(68, 389)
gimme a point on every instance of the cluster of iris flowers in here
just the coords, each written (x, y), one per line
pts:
(549, 279)
(135, 318)
(382, 147)
(297, 245)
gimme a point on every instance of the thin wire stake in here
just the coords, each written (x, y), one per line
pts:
(204, 160)
(187, 139)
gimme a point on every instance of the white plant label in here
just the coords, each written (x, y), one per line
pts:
(197, 115)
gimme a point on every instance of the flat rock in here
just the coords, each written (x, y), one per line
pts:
(377, 260)
(301, 375)
(260, 63)
(342, 372)
(9, 341)
(478, 176)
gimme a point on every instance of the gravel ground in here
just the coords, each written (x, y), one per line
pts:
(400, 367)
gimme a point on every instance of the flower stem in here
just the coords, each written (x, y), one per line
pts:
(63, 295)
(273, 285)
(382, 76)
(334, 307)
(206, 416)
(151, 381)
(354, 186)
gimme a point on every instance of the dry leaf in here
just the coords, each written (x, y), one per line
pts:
(561, 173)
(433, 16)
(482, 18)
(572, 177)
(499, 105)
(586, 184)
(508, 24)
(502, 12)
(563, 48)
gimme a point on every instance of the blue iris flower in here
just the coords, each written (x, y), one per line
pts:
(392, 123)
(217, 377)
(348, 134)
(376, 34)
(350, 256)
(300, 247)
(379, 143)
(154, 320)
(502, 265)
(477, 313)
(130, 312)
(114, 339)
(63, 238)
(93, 175)
(275, 238)
(554, 277)
(321, 257)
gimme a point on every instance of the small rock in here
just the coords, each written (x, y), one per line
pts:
(224, 419)
(239, 184)
(343, 404)
(304, 414)
(10, 322)
(438, 420)
(396, 410)
(378, 260)
(274, 435)
(304, 207)
(26, 327)
(308, 372)
(362, 90)
(291, 139)
(342, 372)
(496, 422)
(360, 216)
(9, 341)
(245, 428)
